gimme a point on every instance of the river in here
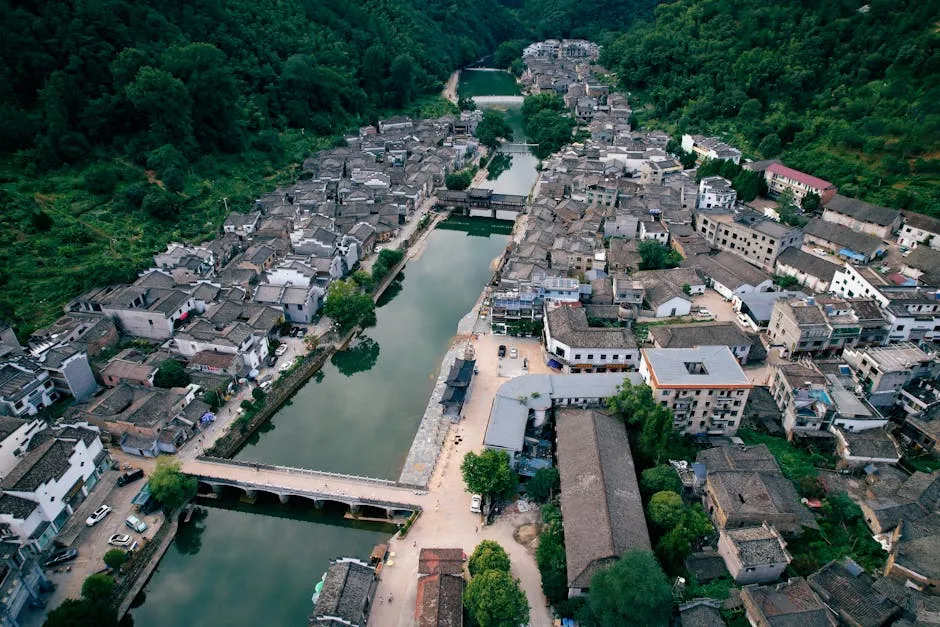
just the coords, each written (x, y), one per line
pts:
(238, 564)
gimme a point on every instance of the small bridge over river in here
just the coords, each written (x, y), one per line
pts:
(395, 499)
(506, 101)
(516, 148)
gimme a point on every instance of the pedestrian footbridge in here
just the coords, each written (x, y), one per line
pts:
(319, 487)
(507, 101)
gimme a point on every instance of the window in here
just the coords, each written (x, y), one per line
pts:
(665, 393)
(616, 357)
(577, 355)
(590, 355)
(603, 356)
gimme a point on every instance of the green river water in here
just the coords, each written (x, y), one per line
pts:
(248, 565)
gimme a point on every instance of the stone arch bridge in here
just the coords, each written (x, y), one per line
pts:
(396, 499)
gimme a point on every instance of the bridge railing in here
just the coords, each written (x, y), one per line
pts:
(388, 483)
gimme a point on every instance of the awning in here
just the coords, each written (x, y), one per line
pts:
(551, 363)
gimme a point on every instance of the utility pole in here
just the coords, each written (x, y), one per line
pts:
(225, 201)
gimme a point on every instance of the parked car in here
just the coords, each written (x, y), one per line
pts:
(136, 524)
(704, 313)
(61, 557)
(476, 504)
(820, 251)
(121, 540)
(513, 353)
(98, 516)
(130, 477)
(287, 365)
(272, 359)
(501, 351)
(266, 384)
(280, 350)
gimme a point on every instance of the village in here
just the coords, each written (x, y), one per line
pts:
(787, 340)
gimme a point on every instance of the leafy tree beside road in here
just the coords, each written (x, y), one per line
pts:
(115, 558)
(634, 591)
(492, 128)
(170, 486)
(488, 473)
(495, 599)
(347, 305)
(489, 555)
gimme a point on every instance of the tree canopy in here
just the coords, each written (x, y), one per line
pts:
(115, 558)
(488, 473)
(492, 128)
(171, 374)
(656, 255)
(547, 123)
(98, 588)
(543, 485)
(634, 591)
(82, 613)
(170, 486)
(488, 555)
(495, 599)
(659, 478)
(347, 305)
(550, 555)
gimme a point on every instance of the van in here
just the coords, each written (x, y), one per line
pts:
(130, 477)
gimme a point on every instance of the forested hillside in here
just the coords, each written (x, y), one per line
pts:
(847, 92)
(124, 124)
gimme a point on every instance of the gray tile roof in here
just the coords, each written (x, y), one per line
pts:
(569, 325)
(760, 496)
(847, 590)
(41, 465)
(862, 211)
(790, 604)
(757, 458)
(17, 507)
(346, 593)
(843, 236)
(440, 601)
(807, 263)
(702, 334)
(874, 443)
(758, 546)
(730, 270)
(600, 497)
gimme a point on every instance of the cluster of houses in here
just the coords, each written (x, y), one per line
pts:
(217, 308)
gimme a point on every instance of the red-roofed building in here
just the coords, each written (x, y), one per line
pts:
(779, 178)
(441, 561)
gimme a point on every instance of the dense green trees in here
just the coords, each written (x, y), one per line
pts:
(847, 95)
(347, 305)
(492, 128)
(659, 478)
(170, 486)
(171, 374)
(495, 599)
(651, 422)
(544, 485)
(546, 123)
(488, 473)
(489, 555)
(634, 591)
(656, 255)
(550, 555)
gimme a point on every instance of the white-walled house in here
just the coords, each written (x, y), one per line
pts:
(918, 230)
(15, 435)
(582, 348)
(43, 490)
(25, 388)
(715, 192)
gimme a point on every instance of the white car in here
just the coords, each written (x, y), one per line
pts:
(513, 353)
(287, 365)
(704, 313)
(136, 524)
(820, 251)
(121, 540)
(476, 502)
(280, 350)
(98, 516)
(266, 384)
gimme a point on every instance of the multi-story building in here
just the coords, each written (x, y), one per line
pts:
(781, 178)
(139, 309)
(715, 192)
(15, 436)
(812, 402)
(862, 216)
(25, 387)
(826, 325)
(704, 387)
(884, 371)
(703, 334)
(748, 234)
(913, 314)
(709, 148)
(571, 341)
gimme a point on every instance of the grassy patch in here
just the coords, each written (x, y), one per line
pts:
(797, 463)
